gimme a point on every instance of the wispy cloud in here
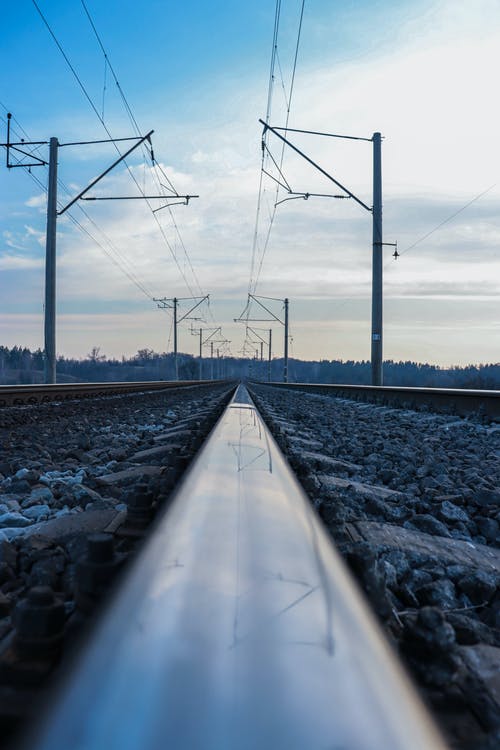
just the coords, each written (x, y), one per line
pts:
(428, 92)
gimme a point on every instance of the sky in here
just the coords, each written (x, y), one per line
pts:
(421, 72)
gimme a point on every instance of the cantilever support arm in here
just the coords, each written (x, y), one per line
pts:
(203, 299)
(115, 163)
(313, 163)
(275, 317)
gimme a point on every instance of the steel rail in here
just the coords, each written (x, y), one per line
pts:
(17, 395)
(238, 627)
(448, 400)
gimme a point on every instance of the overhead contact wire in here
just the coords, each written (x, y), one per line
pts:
(87, 96)
(289, 104)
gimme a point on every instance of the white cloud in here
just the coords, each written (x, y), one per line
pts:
(431, 97)
(37, 201)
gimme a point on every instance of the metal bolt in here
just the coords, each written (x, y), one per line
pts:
(39, 622)
(95, 571)
(139, 507)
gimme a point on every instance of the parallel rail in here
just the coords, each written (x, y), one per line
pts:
(449, 400)
(18, 395)
(238, 627)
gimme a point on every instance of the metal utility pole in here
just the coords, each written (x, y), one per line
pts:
(377, 294)
(270, 341)
(52, 215)
(201, 353)
(285, 376)
(377, 236)
(176, 365)
(211, 360)
(165, 303)
(50, 267)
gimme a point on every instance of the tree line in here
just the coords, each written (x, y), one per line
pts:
(21, 365)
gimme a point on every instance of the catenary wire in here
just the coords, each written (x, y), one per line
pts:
(156, 166)
(87, 96)
(118, 261)
(448, 218)
(138, 131)
(289, 104)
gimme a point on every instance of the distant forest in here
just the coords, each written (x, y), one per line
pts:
(20, 365)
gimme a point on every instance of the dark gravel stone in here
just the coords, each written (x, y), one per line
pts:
(428, 524)
(456, 571)
(83, 441)
(484, 498)
(450, 513)
(488, 527)
(469, 630)
(6, 573)
(387, 476)
(8, 553)
(417, 577)
(364, 563)
(405, 594)
(480, 586)
(332, 513)
(439, 593)
(430, 645)
(399, 561)
(18, 487)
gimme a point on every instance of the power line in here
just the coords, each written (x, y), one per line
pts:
(87, 96)
(156, 166)
(119, 261)
(256, 261)
(270, 88)
(449, 218)
(254, 279)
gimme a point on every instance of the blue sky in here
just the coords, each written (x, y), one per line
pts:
(420, 72)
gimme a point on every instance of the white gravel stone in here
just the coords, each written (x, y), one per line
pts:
(22, 473)
(65, 477)
(40, 494)
(10, 533)
(13, 519)
(37, 512)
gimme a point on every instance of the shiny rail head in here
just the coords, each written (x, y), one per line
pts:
(239, 627)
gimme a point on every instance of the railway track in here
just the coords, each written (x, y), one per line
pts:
(458, 401)
(19, 395)
(133, 448)
(412, 501)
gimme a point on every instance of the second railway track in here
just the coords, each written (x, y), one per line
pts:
(410, 499)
